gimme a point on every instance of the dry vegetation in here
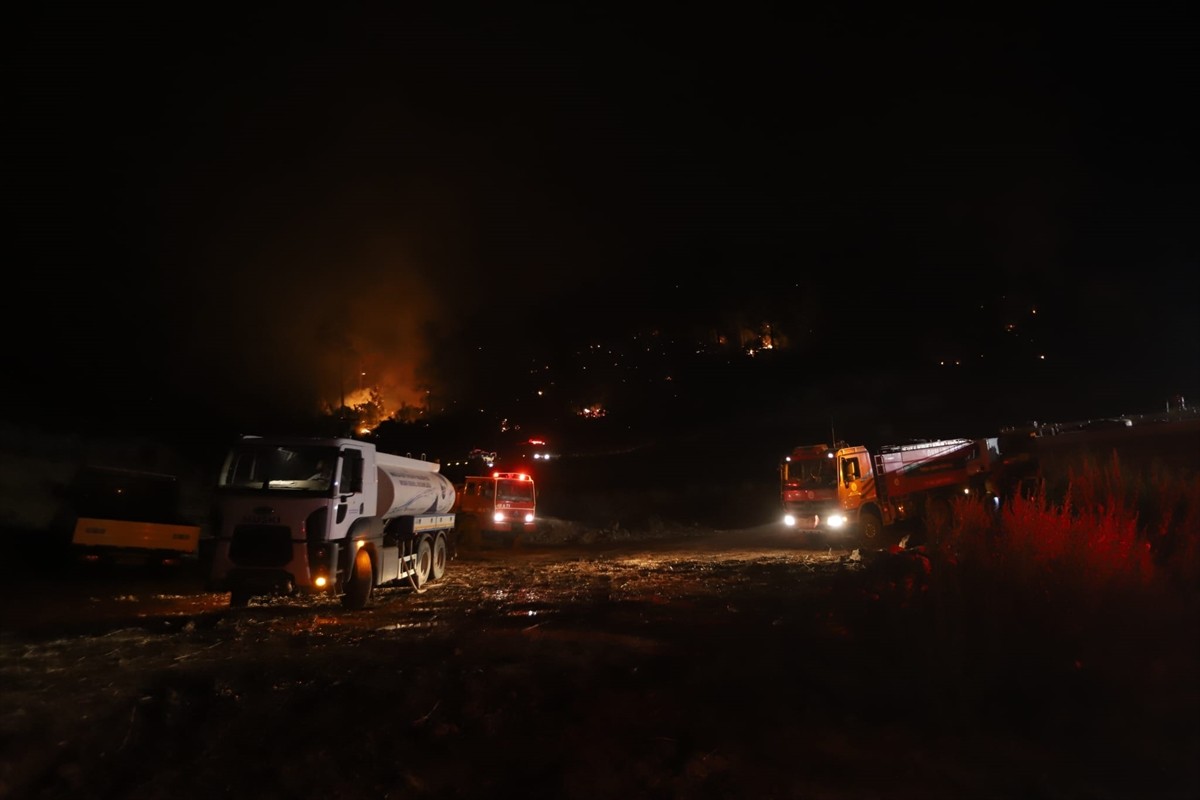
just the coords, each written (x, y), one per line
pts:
(1074, 611)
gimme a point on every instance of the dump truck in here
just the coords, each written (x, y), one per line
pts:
(847, 491)
(498, 507)
(335, 517)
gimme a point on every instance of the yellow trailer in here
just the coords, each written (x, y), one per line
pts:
(122, 540)
(130, 516)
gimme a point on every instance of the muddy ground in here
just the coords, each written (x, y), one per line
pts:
(704, 664)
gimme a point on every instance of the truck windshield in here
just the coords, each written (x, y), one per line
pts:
(814, 472)
(515, 491)
(111, 493)
(279, 468)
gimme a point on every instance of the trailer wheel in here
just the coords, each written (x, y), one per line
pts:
(358, 588)
(423, 562)
(440, 553)
(870, 526)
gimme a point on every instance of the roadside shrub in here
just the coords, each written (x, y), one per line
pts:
(1107, 530)
(1091, 587)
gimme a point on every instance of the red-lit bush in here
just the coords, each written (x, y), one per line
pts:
(1095, 585)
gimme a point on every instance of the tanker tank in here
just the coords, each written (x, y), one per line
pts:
(409, 487)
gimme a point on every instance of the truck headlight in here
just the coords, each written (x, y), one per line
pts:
(836, 520)
(789, 520)
(529, 517)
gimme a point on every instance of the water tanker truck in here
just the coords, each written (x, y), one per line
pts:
(305, 516)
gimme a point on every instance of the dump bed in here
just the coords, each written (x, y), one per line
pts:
(922, 466)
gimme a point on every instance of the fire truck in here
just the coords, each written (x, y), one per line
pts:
(844, 491)
(498, 507)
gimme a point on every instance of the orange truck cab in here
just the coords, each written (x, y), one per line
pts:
(500, 506)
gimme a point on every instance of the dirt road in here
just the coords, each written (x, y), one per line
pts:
(731, 664)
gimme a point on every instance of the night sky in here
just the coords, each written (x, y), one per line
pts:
(215, 219)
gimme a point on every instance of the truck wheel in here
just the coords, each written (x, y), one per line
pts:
(870, 526)
(438, 568)
(358, 588)
(423, 562)
(239, 599)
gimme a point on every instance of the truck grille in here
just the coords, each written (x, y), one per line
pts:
(261, 546)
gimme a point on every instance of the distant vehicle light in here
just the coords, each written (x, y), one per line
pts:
(1107, 424)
